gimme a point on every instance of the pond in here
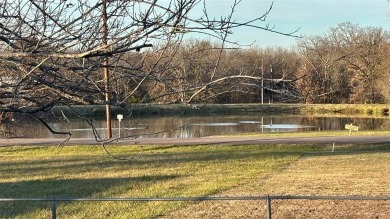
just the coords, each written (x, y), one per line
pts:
(190, 127)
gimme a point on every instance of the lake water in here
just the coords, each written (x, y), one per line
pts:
(190, 127)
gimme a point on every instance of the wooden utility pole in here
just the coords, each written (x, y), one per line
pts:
(271, 99)
(105, 71)
(262, 80)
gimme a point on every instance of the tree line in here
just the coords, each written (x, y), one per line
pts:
(348, 64)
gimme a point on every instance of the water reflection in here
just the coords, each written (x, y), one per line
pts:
(190, 127)
(285, 127)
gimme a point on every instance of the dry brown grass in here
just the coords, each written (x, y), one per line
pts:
(349, 171)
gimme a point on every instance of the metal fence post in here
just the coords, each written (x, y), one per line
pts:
(269, 213)
(54, 208)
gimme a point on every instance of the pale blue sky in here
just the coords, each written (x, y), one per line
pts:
(313, 17)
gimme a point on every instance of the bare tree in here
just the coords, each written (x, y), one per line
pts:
(201, 71)
(344, 65)
(52, 52)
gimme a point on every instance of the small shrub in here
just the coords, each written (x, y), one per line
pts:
(368, 111)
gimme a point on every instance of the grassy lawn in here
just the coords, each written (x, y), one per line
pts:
(172, 171)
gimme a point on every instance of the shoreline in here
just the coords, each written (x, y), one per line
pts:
(147, 110)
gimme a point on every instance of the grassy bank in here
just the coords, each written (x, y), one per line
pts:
(347, 109)
(313, 133)
(165, 171)
(217, 109)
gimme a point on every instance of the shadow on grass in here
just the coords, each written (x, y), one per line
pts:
(66, 188)
(246, 152)
(166, 155)
(161, 156)
(351, 149)
(141, 160)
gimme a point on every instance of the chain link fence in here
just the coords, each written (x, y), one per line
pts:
(199, 207)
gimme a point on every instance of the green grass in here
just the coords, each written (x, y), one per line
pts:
(146, 171)
(149, 171)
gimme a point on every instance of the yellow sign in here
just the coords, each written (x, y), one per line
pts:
(351, 127)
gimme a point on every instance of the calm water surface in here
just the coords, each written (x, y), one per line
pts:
(190, 127)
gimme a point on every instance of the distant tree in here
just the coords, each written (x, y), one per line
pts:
(344, 65)
(383, 81)
(280, 67)
(323, 82)
(200, 71)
